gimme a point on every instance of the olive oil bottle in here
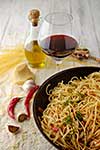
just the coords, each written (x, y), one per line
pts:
(33, 52)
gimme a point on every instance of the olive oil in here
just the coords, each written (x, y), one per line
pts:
(33, 52)
(35, 57)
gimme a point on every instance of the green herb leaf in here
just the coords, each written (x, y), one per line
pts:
(79, 116)
(81, 95)
(68, 101)
(68, 120)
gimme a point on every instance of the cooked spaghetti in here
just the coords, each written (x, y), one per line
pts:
(72, 118)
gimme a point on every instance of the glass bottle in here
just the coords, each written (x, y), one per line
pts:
(33, 52)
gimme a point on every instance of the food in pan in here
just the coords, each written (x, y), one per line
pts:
(72, 118)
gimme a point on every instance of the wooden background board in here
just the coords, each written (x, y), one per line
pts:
(14, 25)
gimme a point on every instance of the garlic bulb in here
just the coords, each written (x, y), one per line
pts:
(28, 85)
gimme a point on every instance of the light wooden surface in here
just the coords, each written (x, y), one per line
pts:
(14, 24)
(14, 27)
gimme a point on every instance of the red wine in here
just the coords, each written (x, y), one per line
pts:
(58, 45)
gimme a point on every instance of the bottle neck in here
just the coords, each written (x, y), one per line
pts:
(34, 30)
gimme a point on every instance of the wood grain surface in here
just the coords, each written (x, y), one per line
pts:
(14, 25)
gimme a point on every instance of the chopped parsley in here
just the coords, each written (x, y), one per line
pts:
(79, 116)
(68, 120)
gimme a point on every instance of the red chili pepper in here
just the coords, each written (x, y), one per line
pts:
(55, 129)
(11, 107)
(28, 98)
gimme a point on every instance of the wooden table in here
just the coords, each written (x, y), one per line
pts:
(14, 27)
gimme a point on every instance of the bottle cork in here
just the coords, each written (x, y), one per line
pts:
(33, 16)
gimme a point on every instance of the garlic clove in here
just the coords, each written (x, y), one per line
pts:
(28, 85)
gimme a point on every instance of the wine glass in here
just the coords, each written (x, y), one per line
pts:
(55, 36)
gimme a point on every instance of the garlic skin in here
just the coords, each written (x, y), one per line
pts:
(28, 85)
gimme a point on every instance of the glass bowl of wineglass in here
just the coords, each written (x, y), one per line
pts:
(55, 36)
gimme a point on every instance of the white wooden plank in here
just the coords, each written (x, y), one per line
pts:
(83, 25)
(95, 15)
(5, 8)
(59, 5)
